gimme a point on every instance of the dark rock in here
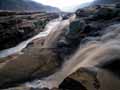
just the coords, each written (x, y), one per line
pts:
(82, 13)
(71, 84)
(76, 35)
(56, 89)
(112, 66)
(75, 29)
(117, 5)
(39, 89)
(70, 41)
(66, 16)
(87, 77)
(105, 13)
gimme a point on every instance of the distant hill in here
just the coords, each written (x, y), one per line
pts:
(96, 2)
(105, 1)
(81, 6)
(25, 5)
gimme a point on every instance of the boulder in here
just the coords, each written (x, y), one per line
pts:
(71, 84)
(77, 33)
(34, 64)
(73, 35)
(70, 40)
(81, 13)
(98, 78)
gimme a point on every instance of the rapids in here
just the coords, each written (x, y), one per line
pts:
(91, 55)
(52, 26)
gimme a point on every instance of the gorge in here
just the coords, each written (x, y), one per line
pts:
(80, 52)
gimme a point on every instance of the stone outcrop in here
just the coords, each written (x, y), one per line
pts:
(104, 76)
(34, 63)
(16, 27)
(91, 26)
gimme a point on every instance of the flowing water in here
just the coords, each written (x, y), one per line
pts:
(96, 52)
(93, 53)
(49, 27)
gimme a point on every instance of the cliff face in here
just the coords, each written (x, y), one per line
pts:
(23, 5)
(93, 66)
(19, 26)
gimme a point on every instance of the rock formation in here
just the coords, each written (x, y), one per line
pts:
(16, 27)
(84, 54)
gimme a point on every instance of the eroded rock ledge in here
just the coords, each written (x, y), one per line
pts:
(16, 27)
(89, 25)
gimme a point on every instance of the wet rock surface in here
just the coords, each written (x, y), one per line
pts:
(71, 84)
(16, 27)
(31, 65)
(39, 61)
(87, 28)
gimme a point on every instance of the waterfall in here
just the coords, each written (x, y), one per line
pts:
(49, 27)
(93, 53)
(53, 26)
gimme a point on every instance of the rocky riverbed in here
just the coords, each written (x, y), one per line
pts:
(16, 27)
(80, 53)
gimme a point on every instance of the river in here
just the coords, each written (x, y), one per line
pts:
(52, 26)
(49, 27)
(94, 53)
